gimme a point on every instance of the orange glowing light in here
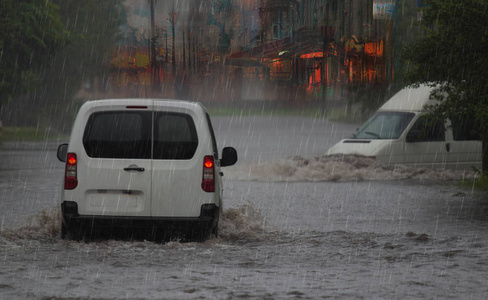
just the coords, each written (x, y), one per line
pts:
(312, 55)
(374, 48)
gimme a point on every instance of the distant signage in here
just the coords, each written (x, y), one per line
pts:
(374, 48)
(383, 10)
(312, 55)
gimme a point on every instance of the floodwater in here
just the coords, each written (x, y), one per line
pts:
(296, 225)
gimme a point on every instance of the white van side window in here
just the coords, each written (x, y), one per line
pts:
(429, 129)
(463, 130)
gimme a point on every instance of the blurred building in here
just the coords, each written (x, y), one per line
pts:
(317, 47)
(323, 46)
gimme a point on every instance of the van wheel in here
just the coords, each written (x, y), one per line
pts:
(215, 230)
(72, 234)
(64, 231)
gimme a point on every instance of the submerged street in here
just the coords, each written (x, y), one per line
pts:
(296, 225)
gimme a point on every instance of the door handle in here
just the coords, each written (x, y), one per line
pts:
(448, 147)
(134, 168)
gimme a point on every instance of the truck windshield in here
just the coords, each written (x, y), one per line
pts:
(384, 125)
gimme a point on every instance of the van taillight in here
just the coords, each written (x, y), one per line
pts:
(208, 180)
(70, 176)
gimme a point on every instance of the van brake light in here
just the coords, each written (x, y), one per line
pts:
(208, 180)
(71, 176)
(136, 107)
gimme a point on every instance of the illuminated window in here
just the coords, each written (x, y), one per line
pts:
(374, 48)
(312, 55)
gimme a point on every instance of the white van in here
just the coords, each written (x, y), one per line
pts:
(401, 132)
(143, 165)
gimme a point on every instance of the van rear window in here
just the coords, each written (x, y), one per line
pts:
(129, 135)
(175, 136)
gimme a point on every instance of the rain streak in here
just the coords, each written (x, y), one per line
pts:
(350, 183)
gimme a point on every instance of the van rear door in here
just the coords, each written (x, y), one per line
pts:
(115, 178)
(177, 165)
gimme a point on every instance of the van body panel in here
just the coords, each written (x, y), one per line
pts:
(426, 154)
(409, 100)
(176, 190)
(465, 155)
(174, 187)
(356, 147)
(391, 152)
(388, 151)
(105, 188)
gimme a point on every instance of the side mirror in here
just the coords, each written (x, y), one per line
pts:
(413, 136)
(62, 152)
(229, 157)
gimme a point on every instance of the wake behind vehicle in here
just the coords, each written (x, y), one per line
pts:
(402, 132)
(142, 166)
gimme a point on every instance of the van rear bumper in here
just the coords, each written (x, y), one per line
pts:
(97, 225)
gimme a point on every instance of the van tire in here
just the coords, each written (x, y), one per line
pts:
(64, 231)
(70, 235)
(215, 231)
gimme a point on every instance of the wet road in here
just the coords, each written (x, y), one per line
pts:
(292, 237)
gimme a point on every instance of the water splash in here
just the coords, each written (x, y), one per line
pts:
(336, 168)
(242, 223)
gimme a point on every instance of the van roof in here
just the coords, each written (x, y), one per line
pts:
(410, 99)
(146, 101)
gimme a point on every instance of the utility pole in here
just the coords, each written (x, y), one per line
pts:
(173, 16)
(190, 67)
(184, 48)
(166, 47)
(155, 80)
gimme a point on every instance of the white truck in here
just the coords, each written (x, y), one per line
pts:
(402, 132)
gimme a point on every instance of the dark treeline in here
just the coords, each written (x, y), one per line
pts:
(49, 50)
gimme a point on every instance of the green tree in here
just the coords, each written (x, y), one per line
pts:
(31, 32)
(453, 56)
(407, 30)
(95, 30)
(222, 17)
(49, 48)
